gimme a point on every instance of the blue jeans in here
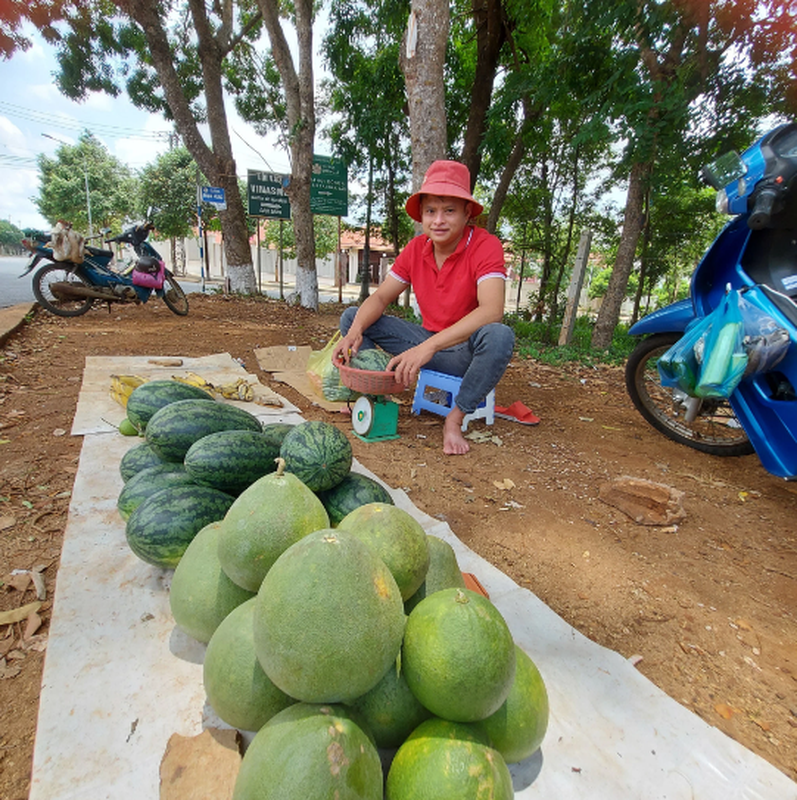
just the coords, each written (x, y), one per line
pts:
(480, 361)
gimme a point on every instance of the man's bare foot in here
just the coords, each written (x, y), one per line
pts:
(454, 443)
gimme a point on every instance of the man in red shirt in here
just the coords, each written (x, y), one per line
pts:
(457, 273)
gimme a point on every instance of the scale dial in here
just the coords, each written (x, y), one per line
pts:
(362, 416)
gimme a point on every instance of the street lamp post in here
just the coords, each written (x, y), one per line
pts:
(85, 177)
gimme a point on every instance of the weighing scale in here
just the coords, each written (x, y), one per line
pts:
(374, 417)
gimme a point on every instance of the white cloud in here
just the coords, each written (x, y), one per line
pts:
(12, 140)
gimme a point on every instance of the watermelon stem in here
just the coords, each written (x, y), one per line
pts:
(280, 465)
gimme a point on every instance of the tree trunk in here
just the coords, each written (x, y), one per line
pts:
(564, 258)
(392, 209)
(300, 106)
(217, 164)
(643, 268)
(634, 218)
(545, 274)
(488, 18)
(366, 279)
(422, 60)
(513, 162)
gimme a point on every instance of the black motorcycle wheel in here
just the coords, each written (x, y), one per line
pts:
(60, 306)
(715, 430)
(174, 296)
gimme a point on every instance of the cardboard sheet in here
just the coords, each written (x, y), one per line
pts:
(288, 365)
(283, 358)
(97, 413)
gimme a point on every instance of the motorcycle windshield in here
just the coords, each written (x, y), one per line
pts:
(726, 169)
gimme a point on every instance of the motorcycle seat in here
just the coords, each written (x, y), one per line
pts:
(98, 251)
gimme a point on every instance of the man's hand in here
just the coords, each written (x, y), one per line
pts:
(408, 364)
(346, 348)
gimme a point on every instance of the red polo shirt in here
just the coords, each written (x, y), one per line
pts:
(448, 294)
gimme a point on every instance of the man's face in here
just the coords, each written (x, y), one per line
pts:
(444, 219)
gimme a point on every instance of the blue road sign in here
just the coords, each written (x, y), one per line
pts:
(214, 195)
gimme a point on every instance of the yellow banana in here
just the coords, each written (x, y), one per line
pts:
(192, 379)
(122, 387)
(239, 390)
(128, 380)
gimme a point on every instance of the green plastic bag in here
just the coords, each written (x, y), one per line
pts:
(325, 376)
(710, 359)
(724, 355)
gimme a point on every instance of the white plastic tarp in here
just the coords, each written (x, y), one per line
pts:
(120, 679)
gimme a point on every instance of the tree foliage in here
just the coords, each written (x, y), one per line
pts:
(551, 105)
(169, 183)
(170, 60)
(10, 237)
(63, 181)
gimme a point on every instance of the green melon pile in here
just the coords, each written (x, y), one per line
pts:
(216, 451)
(336, 628)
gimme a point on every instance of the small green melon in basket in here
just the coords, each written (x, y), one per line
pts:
(371, 359)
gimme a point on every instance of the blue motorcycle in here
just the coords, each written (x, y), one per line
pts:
(756, 255)
(72, 280)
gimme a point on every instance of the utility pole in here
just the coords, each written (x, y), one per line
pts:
(574, 291)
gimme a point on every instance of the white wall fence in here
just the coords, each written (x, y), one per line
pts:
(266, 262)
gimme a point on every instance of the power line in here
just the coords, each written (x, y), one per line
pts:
(68, 123)
(17, 162)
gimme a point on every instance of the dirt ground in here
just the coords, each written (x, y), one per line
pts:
(710, 605)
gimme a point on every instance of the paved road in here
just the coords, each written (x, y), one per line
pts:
(14, 289)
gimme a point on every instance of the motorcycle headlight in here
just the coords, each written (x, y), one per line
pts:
(722, 201)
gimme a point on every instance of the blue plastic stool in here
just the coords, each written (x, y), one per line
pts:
(435, 392)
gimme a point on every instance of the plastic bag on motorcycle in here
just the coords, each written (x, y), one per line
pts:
(149, 272)
(67, 244)
(717, 351)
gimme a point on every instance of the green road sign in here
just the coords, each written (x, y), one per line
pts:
(265, 192)
(329, 187)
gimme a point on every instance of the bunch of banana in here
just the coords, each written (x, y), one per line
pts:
(192, 379)
(122, 387)
(239, 390)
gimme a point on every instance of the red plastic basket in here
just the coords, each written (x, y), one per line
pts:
(368, 381)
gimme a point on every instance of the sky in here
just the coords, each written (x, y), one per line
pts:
(31, 106)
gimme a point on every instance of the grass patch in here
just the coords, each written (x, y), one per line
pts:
(537, 340)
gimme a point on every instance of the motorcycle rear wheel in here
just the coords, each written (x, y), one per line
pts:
(61, 307)
(174, 296)
(715, 430)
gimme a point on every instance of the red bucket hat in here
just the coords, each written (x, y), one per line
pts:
(444, 179)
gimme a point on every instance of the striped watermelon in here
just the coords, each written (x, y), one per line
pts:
(319, 454)
(231, 461)
(147, 482)
(353, 491)
(173, 429)
(371, 359)
(151, 396)
(275, 432)
(162, 527)
(138, 457)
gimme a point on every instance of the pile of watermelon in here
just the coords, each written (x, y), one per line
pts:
(336, 628)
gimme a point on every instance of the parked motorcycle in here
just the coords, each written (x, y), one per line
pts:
(755, 254)
(76, 275)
